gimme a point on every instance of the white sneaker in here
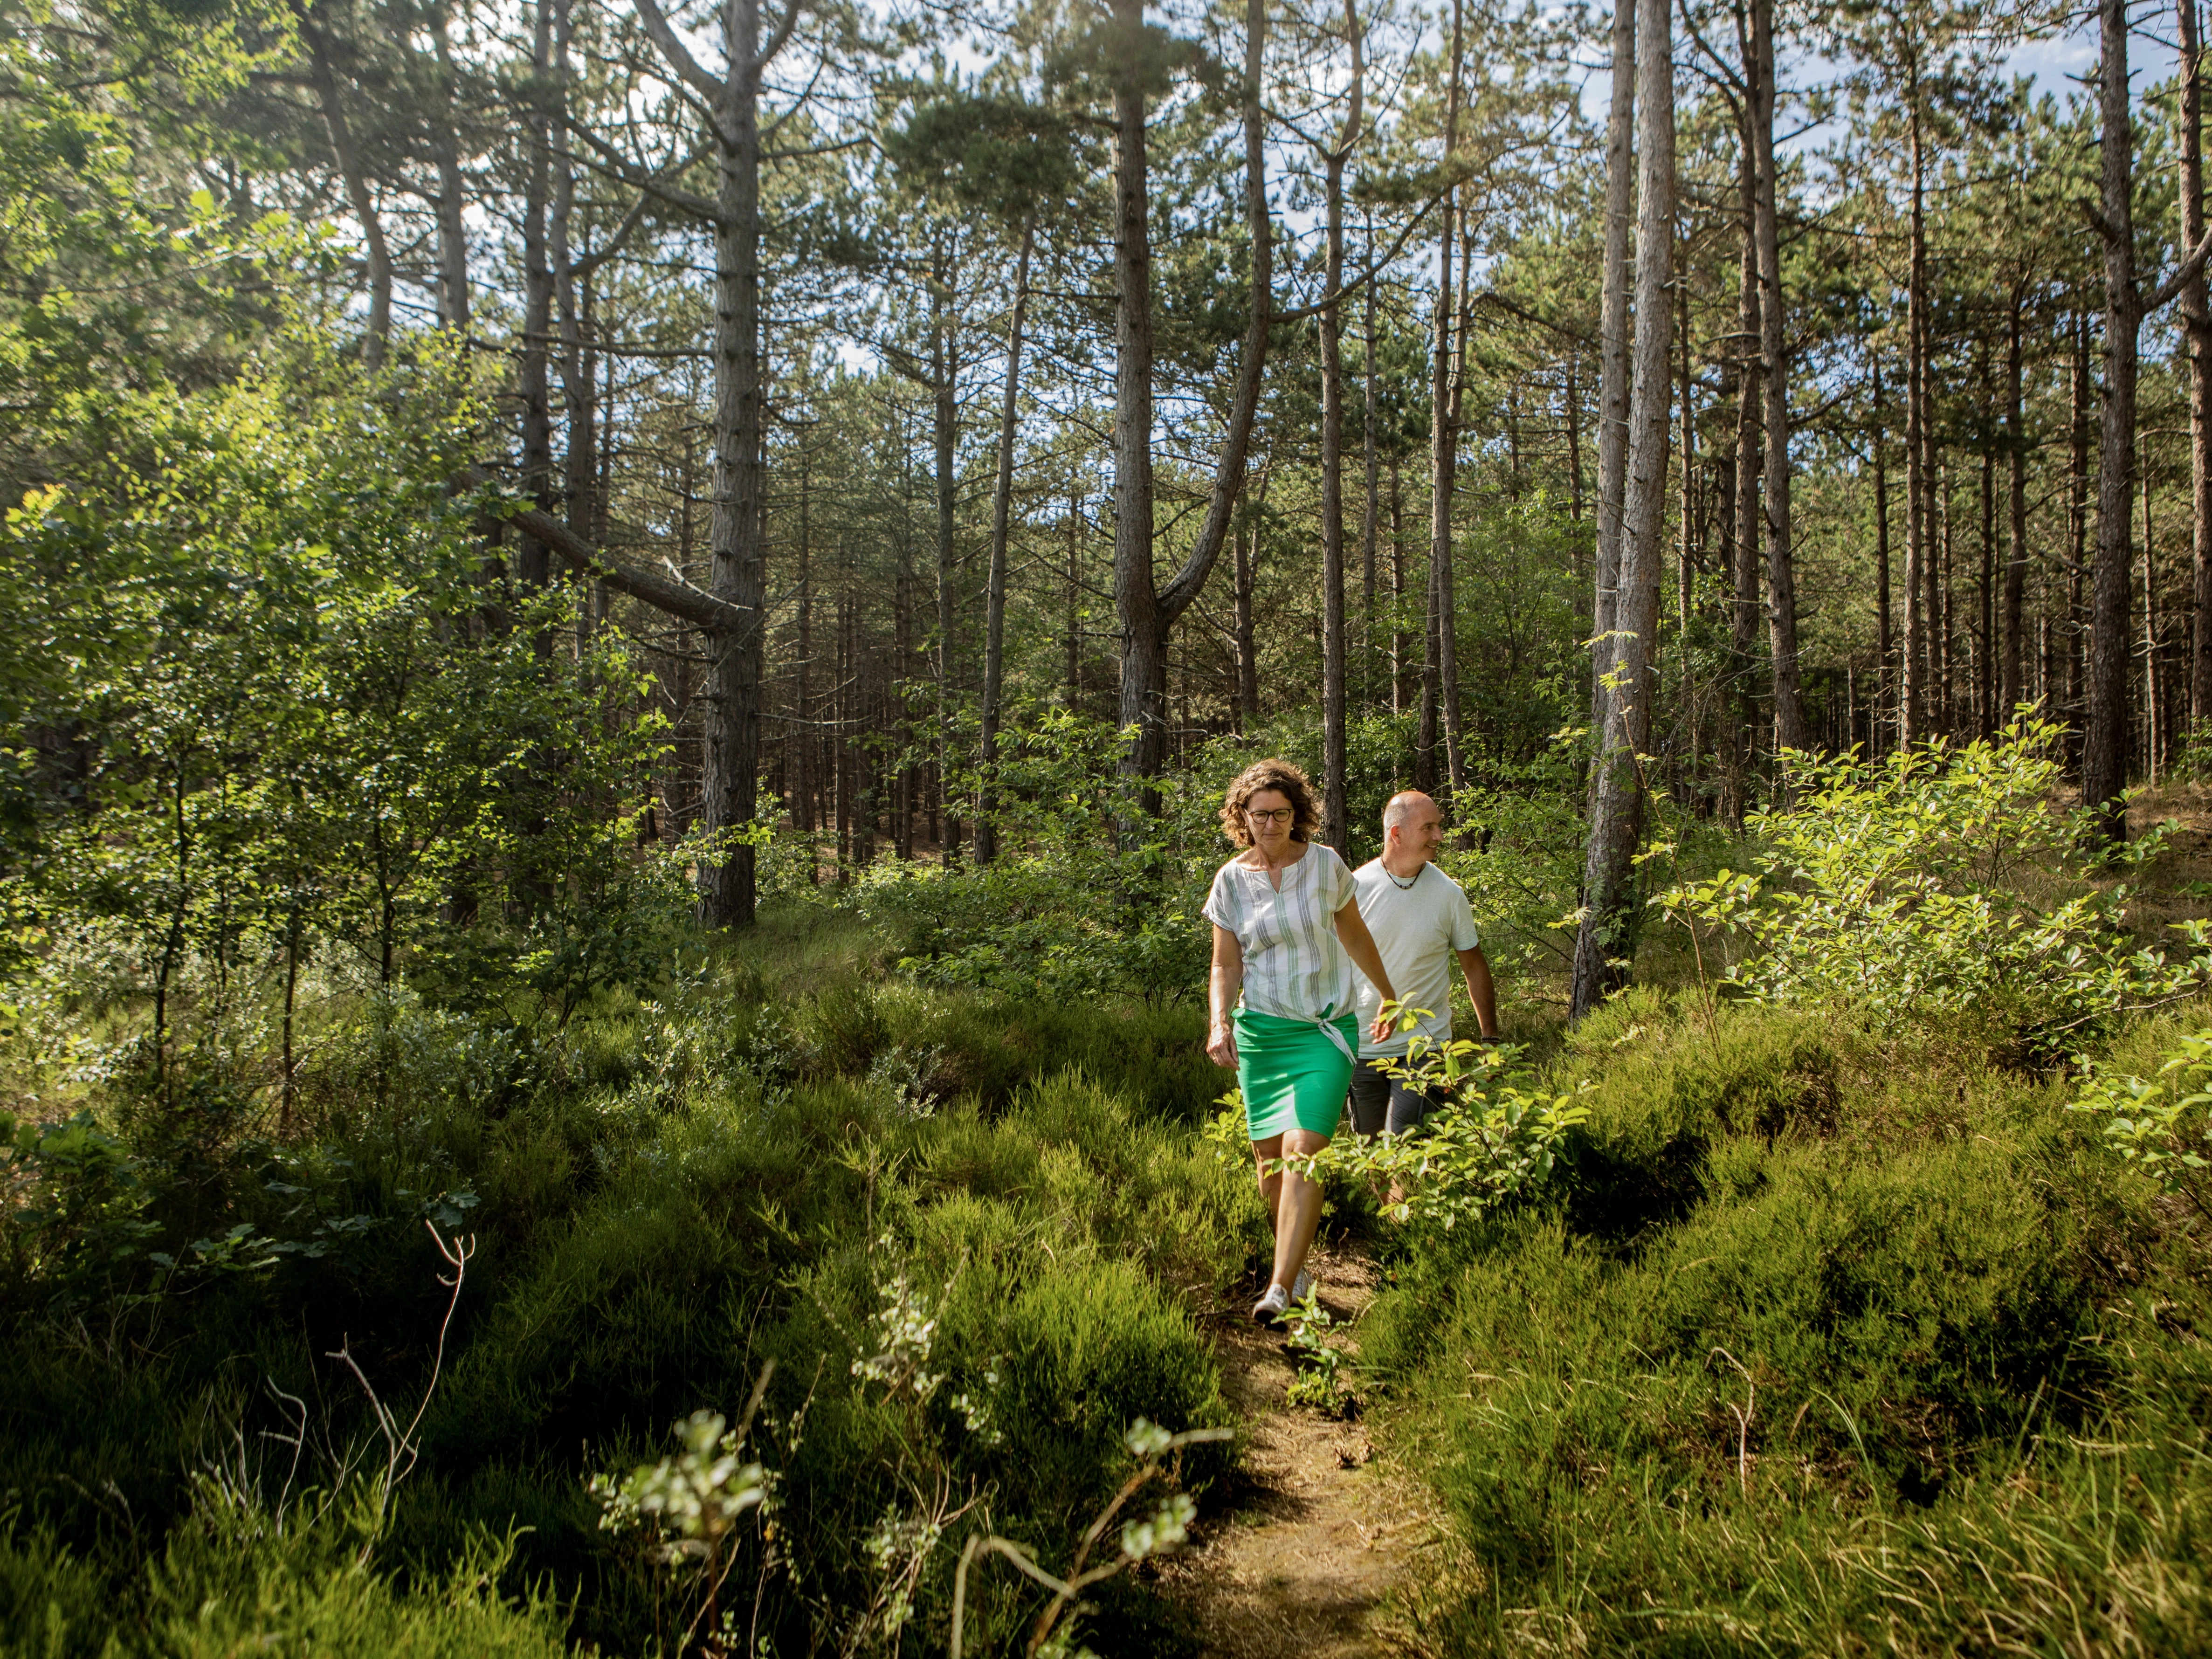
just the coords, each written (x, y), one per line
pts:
(1268, 1309)
(1302, 1286)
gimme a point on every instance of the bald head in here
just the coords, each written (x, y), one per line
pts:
(1404, 808)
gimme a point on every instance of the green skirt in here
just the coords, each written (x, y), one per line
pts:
(1292, 1075)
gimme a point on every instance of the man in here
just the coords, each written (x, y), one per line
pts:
(1420, 920)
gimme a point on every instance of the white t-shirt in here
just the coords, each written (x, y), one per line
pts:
(1417, 929)
(1294, 966)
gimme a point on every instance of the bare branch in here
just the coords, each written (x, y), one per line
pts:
(677, 54)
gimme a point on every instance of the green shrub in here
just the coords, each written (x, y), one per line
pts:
(1935, 886)
(1875, 1356)
(229, 1581)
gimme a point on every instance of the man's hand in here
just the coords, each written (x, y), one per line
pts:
(1221, 1044)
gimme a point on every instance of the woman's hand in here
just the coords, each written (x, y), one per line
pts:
(1386, 1021)
(1225, 984)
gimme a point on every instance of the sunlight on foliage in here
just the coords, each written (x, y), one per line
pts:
(2162, 1125)
(1929, 884)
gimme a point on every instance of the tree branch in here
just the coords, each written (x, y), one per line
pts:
(671, 593)
(1229, 481)
(780, 38)
(678, 56)
(2183, 274)
(619, 167)
(1299, 313)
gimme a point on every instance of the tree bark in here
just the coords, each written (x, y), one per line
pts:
(452, 229)
(1334, 651)
(1613, 349)
(376, 252)
(802, 800)
(1912, 678)
(2196, 334)
(577, 400)
(2106, 737)
(1334, 824)
(730, 783)
(1370, 524)
(2077, 525)
(1400, 644)
(1071, 633)
(1605, 944)
(1774, 376)
(532, 564)
(2011, 690)
(994, 603)
(1247, 660)
(1884, 644)
(1743, 611)
(1440, 676)
(945, 417)
(1146, 611)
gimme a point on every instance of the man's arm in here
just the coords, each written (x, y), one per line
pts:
(1474, 968)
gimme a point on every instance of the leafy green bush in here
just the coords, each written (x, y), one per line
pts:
(1495, 1138)
(1811, 1322)
(2163, 1124)
(1936, 884)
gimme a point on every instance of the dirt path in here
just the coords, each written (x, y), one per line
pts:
(1299, 1552)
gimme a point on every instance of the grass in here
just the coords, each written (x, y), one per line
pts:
(1824, 1344)
(668, 1196)
(1823, 1340)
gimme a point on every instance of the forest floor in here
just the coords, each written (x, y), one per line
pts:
(1302, 1549)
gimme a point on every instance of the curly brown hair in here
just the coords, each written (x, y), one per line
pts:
(1285, 780)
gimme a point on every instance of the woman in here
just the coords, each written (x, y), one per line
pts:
(1286, 930)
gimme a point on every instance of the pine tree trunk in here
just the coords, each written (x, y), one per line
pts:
(2196, 334)
(1333, 823)
(802, 747)
(1605, 944)
(1247, 660)
(377, 253)
(1912, 679)
(739, 571)
(1884, 645)
(1369, 525)
(1444, 455)
(1136, 600)
(534, 566)
(452, 229)
(1744, 612)
(1774, 376)
(2011, 689)
(1401, 642)
(995, 604)
(577, 398)
(945, 416)
(1613, 349)
(1147, 610)
(2077, 486)
(1071, 627)
(2107, 732)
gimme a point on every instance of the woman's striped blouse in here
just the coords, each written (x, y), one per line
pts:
(1294, 968)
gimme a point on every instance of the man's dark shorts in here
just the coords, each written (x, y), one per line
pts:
(1380, 1102)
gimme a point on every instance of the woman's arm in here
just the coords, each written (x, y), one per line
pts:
(1224, 985)
(1359, 944)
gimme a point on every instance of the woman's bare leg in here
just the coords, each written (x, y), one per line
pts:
(1297, 1211)
(1264, 1152)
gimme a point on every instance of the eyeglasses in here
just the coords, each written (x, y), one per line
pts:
(1275, 815)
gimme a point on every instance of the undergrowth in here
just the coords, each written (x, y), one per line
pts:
(1825, 1343)
(965, 1239)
